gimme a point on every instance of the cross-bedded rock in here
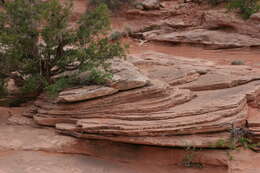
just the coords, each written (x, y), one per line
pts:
(181, 102)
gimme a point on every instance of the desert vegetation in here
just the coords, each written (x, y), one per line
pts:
(38, 42)
(111, 4)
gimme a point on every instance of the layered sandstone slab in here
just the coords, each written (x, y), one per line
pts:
(227, 21)
(155, 97)
(184, 103)
(85, 93)
(191, 23)
(213, 38)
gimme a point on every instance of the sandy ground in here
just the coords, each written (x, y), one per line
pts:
(250, 56)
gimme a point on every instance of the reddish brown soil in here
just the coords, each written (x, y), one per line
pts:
(249, 56)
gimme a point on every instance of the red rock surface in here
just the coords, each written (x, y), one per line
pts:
(188, 102)
(190, 23)
(224, 85)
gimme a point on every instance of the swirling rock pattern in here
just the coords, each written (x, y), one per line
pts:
(181, 102)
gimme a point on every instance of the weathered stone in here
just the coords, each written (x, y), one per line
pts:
(195, 140)
(185, 101)
(215, 39)
(151, 4)
(200, 115)
(126, 76)
(85, 93)
(21, 120)
(255, 17)
(53, 121)
(147, 99)
(41, 162)
(214, 28)
(11, 86)
(219, 78)
(223, 20)
(29, 138)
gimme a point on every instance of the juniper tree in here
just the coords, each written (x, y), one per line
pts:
(38, 41)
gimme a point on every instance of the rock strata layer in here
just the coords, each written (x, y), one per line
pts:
(184, 102)
(214, 39)
(191, 23)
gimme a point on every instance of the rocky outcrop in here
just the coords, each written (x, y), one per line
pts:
(255, 17)
(126, 76)
(214, 39)
(150, 4)
(186, 102)
(218, 28)
(227, 21)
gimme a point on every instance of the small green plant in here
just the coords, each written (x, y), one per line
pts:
(221, 143)
(239, 137)
(96, 77)
(117, 35)
(247, 143)
(188, 160)
(32, 83)
(229, 155)
(111, 4)
(61, 84)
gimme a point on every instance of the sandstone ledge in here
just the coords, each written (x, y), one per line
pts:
(186, 103)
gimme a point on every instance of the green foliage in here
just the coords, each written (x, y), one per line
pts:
(221, 143)
(97, 77)
(59, 85)
(36, 38)
(238, 138)
(245, 7)
(188, 160)
(111, 4)
(117, 35)
(33, 84)
(247, 143)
